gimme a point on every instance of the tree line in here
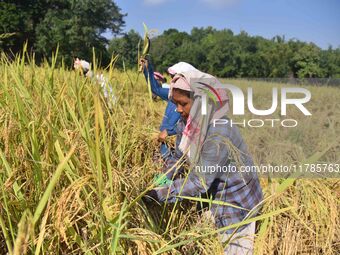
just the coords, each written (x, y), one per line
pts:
(225, 54)
(73, 25)
(78, 26)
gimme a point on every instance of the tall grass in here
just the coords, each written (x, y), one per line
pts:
(72, 171)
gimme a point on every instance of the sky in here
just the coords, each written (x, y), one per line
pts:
(316, 21)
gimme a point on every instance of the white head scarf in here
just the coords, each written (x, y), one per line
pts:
(82, 64)
(180, 67)
(200, 84)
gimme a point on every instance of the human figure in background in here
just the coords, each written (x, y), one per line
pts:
(161, 80)
(160, 88)
(85, 68)
(168, 125)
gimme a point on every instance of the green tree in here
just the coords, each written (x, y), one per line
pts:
(167, 49)
(224, 54)
(278, 55)
(198, 34)
(75, 25)
(127, 49)
(330, 62)
(19, 17)
(307, 62)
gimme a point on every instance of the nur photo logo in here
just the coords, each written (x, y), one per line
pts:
(284, 97)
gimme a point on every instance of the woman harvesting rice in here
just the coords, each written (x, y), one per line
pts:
(169, 122)
(206, 145)
(170, 118)
(85, 68)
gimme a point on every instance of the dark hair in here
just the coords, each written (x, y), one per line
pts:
(84, 71)
(186, 93)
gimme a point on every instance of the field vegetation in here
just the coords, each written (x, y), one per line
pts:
(73, 170)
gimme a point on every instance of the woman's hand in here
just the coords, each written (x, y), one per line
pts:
(150, 196)
(163, 135)
(143, 63)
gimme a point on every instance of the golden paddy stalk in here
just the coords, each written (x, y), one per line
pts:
(72, 170)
